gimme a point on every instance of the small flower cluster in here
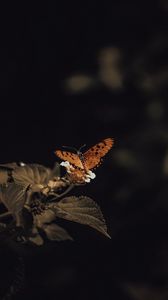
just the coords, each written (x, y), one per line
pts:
(83, 175)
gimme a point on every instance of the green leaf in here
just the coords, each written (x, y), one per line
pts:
(56, 233)
(82, 210)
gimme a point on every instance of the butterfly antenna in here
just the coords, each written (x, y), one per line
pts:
(70, 148)
(82, 147)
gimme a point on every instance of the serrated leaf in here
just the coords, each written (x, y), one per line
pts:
(6, 171)
(13, 197)
(56, 233)
(31, 174)
(81, 210)
(9, 166)
(4, 177)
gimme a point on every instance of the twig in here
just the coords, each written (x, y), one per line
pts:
(63, 194)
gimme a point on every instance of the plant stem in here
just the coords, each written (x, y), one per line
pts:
(63, 194)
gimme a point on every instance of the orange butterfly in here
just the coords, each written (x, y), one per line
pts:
(88, 160)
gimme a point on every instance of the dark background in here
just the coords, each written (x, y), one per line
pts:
(75, 73)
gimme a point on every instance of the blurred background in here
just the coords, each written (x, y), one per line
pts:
(74, 73)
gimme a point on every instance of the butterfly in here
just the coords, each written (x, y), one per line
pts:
(88, 160)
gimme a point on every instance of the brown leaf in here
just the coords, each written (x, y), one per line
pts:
(56, 233)
(6, 171)
(31, 174)
(13, 197)
(9, 166)
(44, 218)
(4, 177)
(82, 210)
(36, 238)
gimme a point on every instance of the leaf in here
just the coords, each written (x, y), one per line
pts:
(37, 240)
(31, 174)
(9, 166)
(35, 237)
(44, 218)
(13, 197)
(56, 233)
(82, 210)
(6, 171)
(3, 176)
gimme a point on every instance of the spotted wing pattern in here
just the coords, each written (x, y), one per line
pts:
(92, 157)
(72, 158)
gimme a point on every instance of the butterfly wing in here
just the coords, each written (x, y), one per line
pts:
(93, 156)
(72, 158)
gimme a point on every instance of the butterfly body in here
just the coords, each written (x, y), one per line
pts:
(88, 160)
(82, 159)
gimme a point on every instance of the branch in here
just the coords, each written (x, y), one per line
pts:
(63, 194)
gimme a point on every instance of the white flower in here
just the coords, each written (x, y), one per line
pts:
(87, 179)
(85, 176)
(65, 164)
(91, 174)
